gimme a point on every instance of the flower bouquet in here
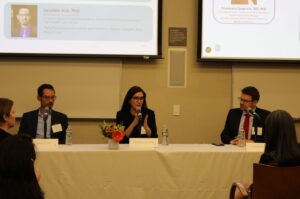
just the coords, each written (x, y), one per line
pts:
(114, 132)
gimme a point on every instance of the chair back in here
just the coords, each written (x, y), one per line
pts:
(270, 182)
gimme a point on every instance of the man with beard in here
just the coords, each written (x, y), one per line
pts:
(24, 28)
(45, 122)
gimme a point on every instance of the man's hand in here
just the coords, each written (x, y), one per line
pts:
(234, 141)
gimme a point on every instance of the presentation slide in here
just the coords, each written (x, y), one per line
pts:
(249, 30)
(95, 27)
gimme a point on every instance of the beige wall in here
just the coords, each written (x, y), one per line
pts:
(204, 102)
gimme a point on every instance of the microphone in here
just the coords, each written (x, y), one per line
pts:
(46, 113)
(259, 120)
(249, 110)
(139, 113)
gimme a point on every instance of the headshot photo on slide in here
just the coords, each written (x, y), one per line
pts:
(24, 21)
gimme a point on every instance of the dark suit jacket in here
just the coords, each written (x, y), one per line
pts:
(29, 122)
(16, 31)
(232, 124)
(3, 135)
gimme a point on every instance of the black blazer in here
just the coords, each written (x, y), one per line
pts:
(125, 118)
(28, 124)
(232, 124)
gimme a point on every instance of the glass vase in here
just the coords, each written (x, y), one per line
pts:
(112, 144)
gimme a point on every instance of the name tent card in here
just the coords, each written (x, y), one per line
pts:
(45, 143)
(255, 147)
(143, 142)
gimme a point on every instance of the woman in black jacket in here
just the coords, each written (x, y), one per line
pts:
(138, 119)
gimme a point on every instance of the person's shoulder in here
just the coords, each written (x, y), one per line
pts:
(263, 111)
(4, 134)
(290, 163)
(59, 113)
(234, 111)
(123, 114)
(30, 113)
(120, 112)
(268, 158)
(149, 111)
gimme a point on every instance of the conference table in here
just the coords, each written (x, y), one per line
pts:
(184, 171)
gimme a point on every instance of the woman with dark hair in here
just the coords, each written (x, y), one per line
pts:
(281, 149)
(138, 119)
(7, 117)
(18, 178)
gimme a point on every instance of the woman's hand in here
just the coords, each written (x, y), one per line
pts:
(135, 121)
(146, 127)
(133, 124)
(146, 122)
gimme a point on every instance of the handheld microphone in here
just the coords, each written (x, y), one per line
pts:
(139, 115)
(139, 112)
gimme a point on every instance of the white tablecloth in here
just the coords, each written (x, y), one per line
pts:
(175, 171)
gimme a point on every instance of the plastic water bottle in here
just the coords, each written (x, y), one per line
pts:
(241, 138)
(69, 135)
(165, 135)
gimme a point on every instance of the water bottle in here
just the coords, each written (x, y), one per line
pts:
(165, 135)
(69, 135)
(241, 138)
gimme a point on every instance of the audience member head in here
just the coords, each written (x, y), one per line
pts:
(17, 173)
(46, 95)
(135, 97)
(249, 98)
(7, 119)
(281, 139)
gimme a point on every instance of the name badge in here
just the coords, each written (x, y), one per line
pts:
(259, 131)
(143, 131)
(56, 128)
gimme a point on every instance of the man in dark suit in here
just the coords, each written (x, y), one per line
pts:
(25, 27)
(45, 122)
(248, 118)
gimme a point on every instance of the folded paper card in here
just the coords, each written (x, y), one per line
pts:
(45, 143)
(255, 147)
(143, 142)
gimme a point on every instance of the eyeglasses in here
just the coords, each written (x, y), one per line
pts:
(49, 97)
(138, 98)
(244, 100)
